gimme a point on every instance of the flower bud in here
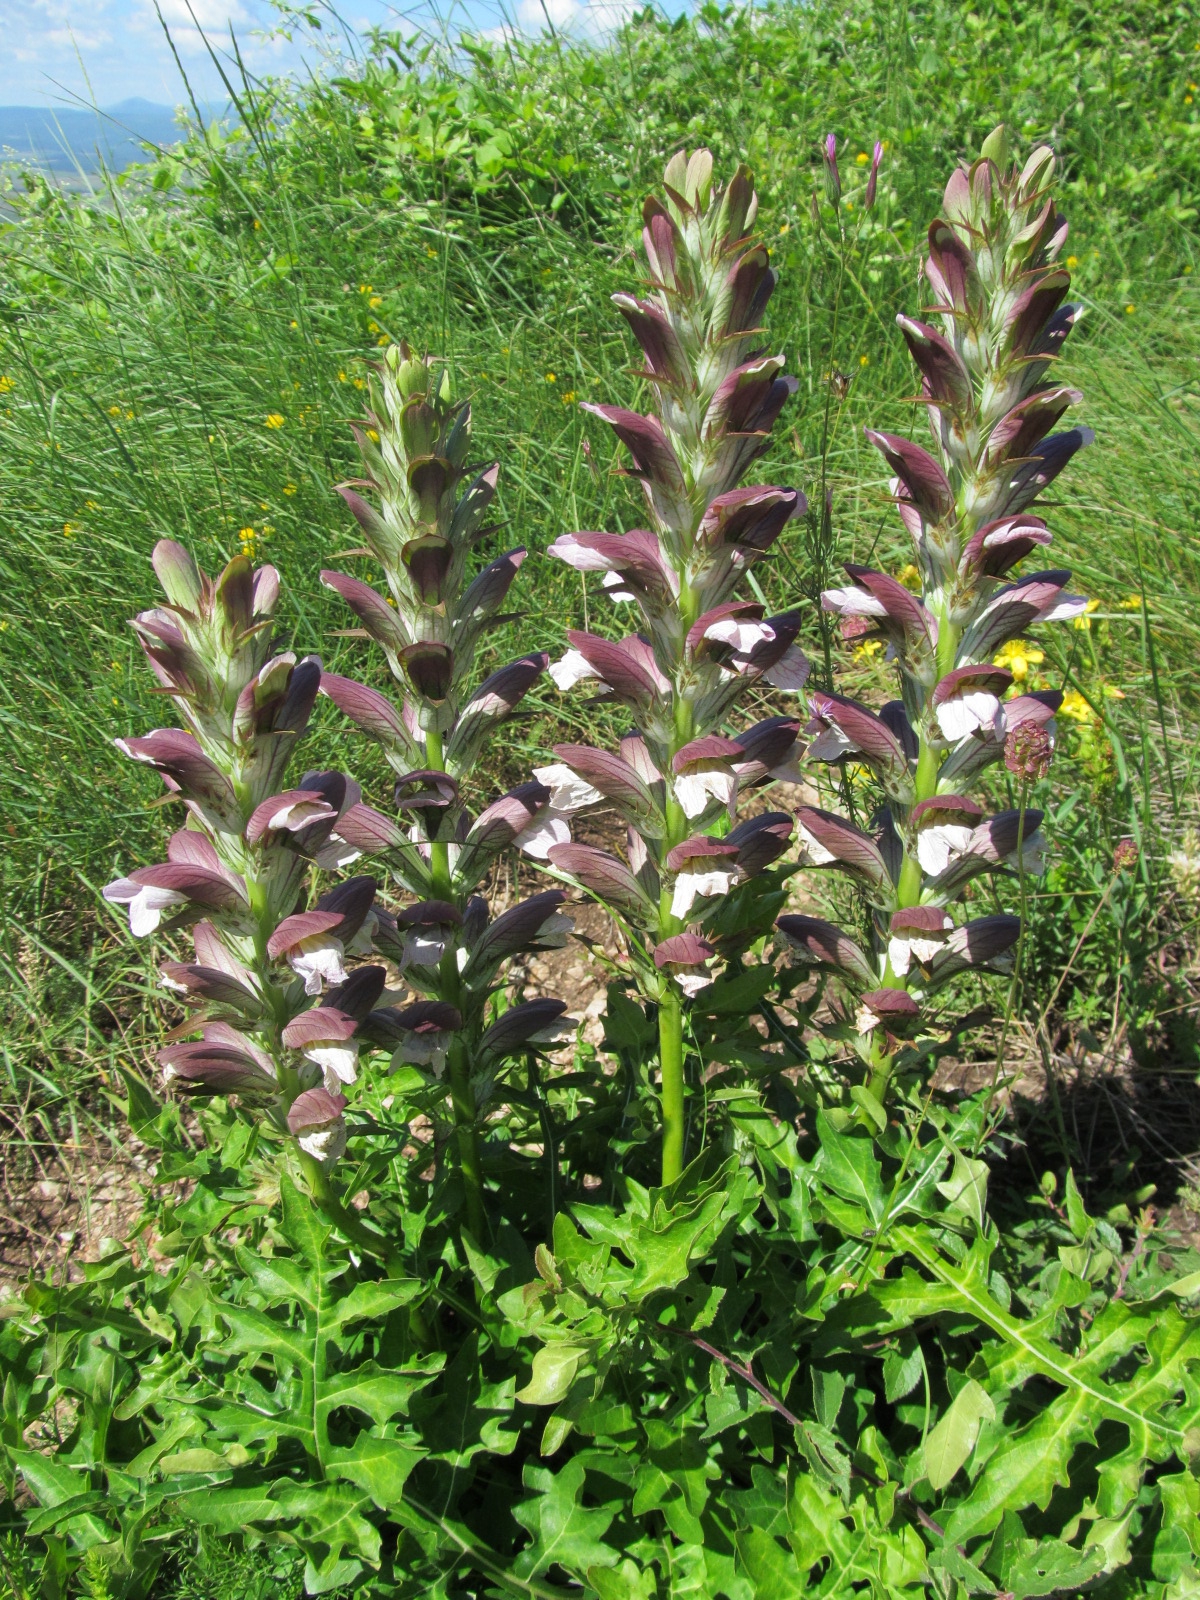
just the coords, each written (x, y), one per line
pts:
(1027, 751)
(873, 177)
(833, 178)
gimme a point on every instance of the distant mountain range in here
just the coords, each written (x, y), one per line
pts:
(65, 138)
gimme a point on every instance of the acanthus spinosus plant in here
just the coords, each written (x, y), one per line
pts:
(269, 992)
(987, 359)
(430, 513)
(700, 648)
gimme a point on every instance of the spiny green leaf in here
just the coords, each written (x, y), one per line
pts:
(564, 1531)
(380, 1466)
(848, 1165)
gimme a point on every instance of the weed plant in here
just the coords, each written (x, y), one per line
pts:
(814, 1360)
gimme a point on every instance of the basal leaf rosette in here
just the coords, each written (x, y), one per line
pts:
(422, 510)
(698, 650)
(272, 992)
(987, 358)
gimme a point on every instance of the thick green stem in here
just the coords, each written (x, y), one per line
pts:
(462, 1095)
(670, 1055)
(908, 890)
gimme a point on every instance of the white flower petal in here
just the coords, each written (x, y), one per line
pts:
(541, 836)
(692, 982)
(568, 791)
(937, 846)
(790, 672)
(338, 1060)
(691, 886)
(572, 669)
(694, 790)
(962, 714)
(325, 1144)
(318, 960)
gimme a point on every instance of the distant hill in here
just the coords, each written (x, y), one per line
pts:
(63, 138)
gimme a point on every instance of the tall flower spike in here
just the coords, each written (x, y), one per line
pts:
(425, 514)
(987, 350)
(717, 391)
(238, 868)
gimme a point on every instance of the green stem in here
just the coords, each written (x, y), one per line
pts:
(670, 1055)
(462, 1095)
(908, 890)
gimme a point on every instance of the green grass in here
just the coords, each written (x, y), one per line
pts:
(487, 196)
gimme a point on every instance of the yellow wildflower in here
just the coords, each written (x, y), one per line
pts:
(245, 533)
(382, 339)
(864, 361)
(289, 488)
(910, 577)
(785, 227)
(275, 419)
(294, 323)
(341, 377)
(1072, 263)
(867, 649)
(1084, 623)
(375, 302)
(1133, 603)
(114, 411)
(430, 251)
(91, 505)
(1129, 310)
(373, 435)
(568, 398)
(372, 327)
(504, 350)
(129, 416)
(1018, 656)
(1076, 707)
(6, 383)
(257, 225)
(70, 529)
(551, 377)
(861, 158)
(1187, 99)
(360, 383)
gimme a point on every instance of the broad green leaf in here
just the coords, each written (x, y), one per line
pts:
(53, 1516)
(52, 1485)
(952, 1440)
(1047, 1566)
(375, 1299)
(554, 1369)
(848, 1165)
(331, 1514)
(902, 1369)
(229, 1511)
(380, 1466)
(772, 1570)
(382, 1393)
(828, 1389)
(564, 1532)
(304, 1225)
(965, 1190)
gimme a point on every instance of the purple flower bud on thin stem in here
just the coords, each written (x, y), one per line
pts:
(873, 177)
(833, 178)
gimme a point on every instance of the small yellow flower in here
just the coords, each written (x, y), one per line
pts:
(114, 411)
(91, 505)
(910, 577)
(864, 361)
(504, 350)
(1084, 623)
(245, 533)
(849, 205)
(289, 488)
(115, 701)
(211, 437)
(129, 416)
(342, 377)
(375, 302)
(431, 252)
(257, 225)
(70, 529)
(568, 398)
(867, 649)
(372, 327)
(268, 528)
(6, 383)
(294, 323)
(1018, 656)
(861, 158)
(373, 435)
(1072, 263)
(785, 227)
(1133, 603)
(1076, 707)
(382, 339)
(551, 377)
(360, 383)
(275, 419)
(1130, 309)
(1187, 99)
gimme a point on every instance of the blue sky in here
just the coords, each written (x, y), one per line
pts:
(61, 52)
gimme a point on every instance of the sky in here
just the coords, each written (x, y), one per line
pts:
(100, 52)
